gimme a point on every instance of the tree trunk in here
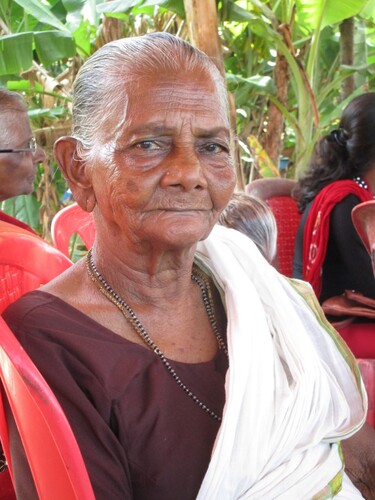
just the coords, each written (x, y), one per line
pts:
(275, 128)
(347, 54)
(202, 22)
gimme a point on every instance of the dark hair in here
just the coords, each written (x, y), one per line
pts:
(345, 153)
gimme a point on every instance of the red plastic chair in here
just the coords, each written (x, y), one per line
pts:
(51, 449)
(26, 262)
(277, 192)
(363, 216)
(68, 221)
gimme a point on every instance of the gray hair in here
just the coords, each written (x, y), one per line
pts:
(254, 218)
(100, 85)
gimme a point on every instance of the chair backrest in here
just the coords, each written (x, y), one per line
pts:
(363, 216)
(54, 457)
(26, 262)
(68, 221)
(277, 192)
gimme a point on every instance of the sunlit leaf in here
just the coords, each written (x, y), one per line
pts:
(82, 38)
(24, 86)
(41, 12)
(264, 83)
(369, 10)
(328, 12)
(238, 14)
(264, 163)
(116, 6)
(176, 6)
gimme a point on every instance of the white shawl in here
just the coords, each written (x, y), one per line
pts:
(292, 392)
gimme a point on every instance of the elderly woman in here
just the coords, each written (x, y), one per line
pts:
(136, 339)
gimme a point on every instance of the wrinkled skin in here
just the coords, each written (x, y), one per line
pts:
(17, 170)
(168, 172)
(165, 173)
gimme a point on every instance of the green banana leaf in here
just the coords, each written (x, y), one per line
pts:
(25, 208)
(320, 13)
(16, 53)
(41, 12)
(53, 46)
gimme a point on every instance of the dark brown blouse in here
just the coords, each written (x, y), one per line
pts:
(141, 436)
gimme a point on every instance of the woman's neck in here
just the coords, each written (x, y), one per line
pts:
(151, 278)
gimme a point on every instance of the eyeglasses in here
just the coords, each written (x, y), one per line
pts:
(32, 146)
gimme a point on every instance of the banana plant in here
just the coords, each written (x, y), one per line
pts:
(299, 31)
(316, 15)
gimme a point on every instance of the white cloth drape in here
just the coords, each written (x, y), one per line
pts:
(291, 393)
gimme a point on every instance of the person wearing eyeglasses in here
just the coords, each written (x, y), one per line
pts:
(19, 151)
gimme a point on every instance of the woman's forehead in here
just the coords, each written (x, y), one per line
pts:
(172, 98)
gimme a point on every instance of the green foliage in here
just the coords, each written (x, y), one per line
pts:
(25, 208)
(306, 33)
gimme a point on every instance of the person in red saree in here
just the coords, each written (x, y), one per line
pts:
(19, 152)
(329, 254)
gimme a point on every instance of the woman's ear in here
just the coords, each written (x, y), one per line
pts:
(75, 171)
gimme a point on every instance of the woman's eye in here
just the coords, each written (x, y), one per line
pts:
(147, 145)
(213, 147)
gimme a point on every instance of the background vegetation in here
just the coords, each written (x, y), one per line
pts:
(290, 65)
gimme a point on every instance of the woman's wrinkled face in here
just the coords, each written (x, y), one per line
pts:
(165, 172)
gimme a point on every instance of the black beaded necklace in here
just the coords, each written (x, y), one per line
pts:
(201, 280)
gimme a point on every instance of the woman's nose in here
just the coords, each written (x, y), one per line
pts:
(39, 155)
(185, 171)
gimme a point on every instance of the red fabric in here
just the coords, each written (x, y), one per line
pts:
(12, 220)
(360, 338)
(6, 487)
(315, 237)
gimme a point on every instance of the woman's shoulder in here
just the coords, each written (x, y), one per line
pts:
(31, 302)
(38, 311)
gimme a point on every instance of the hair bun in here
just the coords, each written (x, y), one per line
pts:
(339, 136)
